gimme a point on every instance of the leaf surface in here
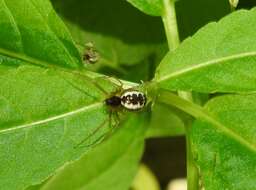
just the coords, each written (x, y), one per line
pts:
(219, 58)
(44, 115)
(96, 169)
(31, 31)
(45, 111)
(223, 162)
(151, 7)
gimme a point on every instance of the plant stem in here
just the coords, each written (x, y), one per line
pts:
(172, 34)
(197, 111)
(170, 24)
(192, 170)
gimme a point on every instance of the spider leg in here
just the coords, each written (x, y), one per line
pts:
(93, 144)
(106, 135)
(120, 82)
(118, 86)
(79, 89)
(94, 81)
(117, 118)
(90, 135)
(113, 127)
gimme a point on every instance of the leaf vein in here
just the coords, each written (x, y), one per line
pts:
(53, 118)
(47, 25)
(15, 25)
(205, 64)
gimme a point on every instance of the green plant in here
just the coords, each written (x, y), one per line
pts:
(50, 101)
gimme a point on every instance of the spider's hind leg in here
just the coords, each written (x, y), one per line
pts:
(117, 82)
(113, 115)
(112, 126)
(80, 144)
(105, 135)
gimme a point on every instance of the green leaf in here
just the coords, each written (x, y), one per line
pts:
(96, 169)
(171, 123)
(151, 7)
(219, 58)
(46, 111)
(127, 39)
(197, 111)
(31, 31)
(223, 162)
(44, 115)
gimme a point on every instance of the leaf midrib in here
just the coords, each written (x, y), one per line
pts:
(56, 117)
(23, 57)
(206, 64)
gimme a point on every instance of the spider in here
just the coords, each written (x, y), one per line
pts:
(129, 99)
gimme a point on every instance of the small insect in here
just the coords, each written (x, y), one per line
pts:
(91, 55)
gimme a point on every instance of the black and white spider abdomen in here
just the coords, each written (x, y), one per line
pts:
(130, 99)
(133, 100)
